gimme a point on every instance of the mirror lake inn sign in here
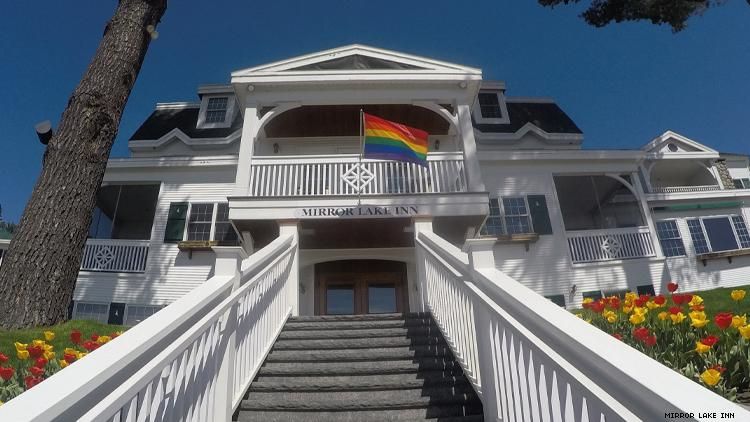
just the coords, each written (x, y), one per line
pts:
(369, 211)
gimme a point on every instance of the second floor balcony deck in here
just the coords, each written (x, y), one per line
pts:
(348, 175)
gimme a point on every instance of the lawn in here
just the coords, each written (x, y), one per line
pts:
(61, 340)
(718, 300)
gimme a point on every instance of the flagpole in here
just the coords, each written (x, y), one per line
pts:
(361, 152)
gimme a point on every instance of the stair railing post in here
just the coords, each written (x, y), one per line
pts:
(228, 262)
(291, 227)
(421, 224)
(482, 256)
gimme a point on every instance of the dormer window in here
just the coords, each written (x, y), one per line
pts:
(490, 108)
(217, 111)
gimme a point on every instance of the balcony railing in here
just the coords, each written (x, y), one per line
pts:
(346, 175)
(115, 255)
(607, 245)
(678, 189)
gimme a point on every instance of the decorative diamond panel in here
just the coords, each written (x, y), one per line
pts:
(104, 256)
(611, 246)
(358, 177)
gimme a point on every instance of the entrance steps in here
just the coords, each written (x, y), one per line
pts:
(388, 367)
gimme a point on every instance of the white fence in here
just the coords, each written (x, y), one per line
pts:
(115, 255)
(345, 175)
(3, 248)
(531, 360)
(606, 245)
(193, 360)
(677, 189)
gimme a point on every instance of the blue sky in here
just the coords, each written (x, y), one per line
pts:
(623, 84)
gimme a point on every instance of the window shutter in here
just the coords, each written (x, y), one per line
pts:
(176, 222)
(539, 214)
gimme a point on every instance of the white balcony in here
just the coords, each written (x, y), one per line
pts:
(608, 245)
(345, 175)
(115, 255)
(680, 189)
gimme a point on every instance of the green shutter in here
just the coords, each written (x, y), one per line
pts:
(176, 222)
(539, 214)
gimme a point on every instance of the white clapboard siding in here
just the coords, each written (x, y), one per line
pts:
(169, 273)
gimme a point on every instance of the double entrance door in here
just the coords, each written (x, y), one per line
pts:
(360, 287)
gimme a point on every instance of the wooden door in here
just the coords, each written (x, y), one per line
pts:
(359, 293)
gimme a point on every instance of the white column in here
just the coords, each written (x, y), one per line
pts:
(481, 252)
(646, 211)
(291, 227)
(250, 128)
(421, 224)
(471, 161)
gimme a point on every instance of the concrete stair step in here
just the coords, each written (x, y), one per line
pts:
(366, 317)
(356, 343)
(358, 325)
(356, 383)
(429, 414)
(425, 331)
(358, 368)
(351, 355)
(360, 400)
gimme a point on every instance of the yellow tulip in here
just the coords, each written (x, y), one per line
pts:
(63, 363)
(745, 331)
(70, 351)
(701, 348)
(630, 296)
(698, 319)
(103, 339)
(627, 309)
(711, 377)
(677, 318)
(48, 347)
(49, 355)
(636, 319)
(610, 316)
(49, 335)
(696, 300)
(651, 305)
(663, 315)
(580, 315)
(738, 295)
(22, 354)
(587, 300)
(38, 343)
(20, 346)
(739, 321)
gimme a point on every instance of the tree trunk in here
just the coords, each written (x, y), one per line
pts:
(39, 270)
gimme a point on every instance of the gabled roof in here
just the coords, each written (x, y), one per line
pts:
(673, 145)
(356, 58)
(179, 121)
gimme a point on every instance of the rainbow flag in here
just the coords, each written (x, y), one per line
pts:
(393, 141)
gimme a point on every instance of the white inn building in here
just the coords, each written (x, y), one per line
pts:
(277, 150)
(308, 285)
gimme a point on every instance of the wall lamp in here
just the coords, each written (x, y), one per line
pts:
(44, 131)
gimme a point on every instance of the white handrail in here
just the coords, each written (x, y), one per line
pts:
(537, 361)
(181, 361)
(678, 189)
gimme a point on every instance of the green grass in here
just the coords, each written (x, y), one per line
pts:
(718, 300)
(62, 336)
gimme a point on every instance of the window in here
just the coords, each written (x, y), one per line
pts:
(741, 183)
(489, 105)
(135, 314)
(224, 231)
(741, 228)
(199, 223)
(216, 110)
(92, 311)
(646, 289)
(593, 294)
(124, 212)
(699, 239)
(720, 234)
(669, 237)
(175, 229)
(512, 218)
(516, 215)
(558, 300)
(597, 203)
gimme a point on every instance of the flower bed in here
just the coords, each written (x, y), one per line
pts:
(29, 357)
(677, 331)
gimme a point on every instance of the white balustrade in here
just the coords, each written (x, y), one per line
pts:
(607, 245)
(3, 248)
(346, 175)
(530, 360)
(678, 189)
(193, 360)
(115, 255)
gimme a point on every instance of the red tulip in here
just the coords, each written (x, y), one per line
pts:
(674, 310)
(75, 337)
(6, 373)
(597, 306)
(710, 340)
(3, 358)
(35, 351)
(641, 333)
(32, 381)
(641, 301)
(723, 320)
(672, 287)
(36, 371)
(660, 300)
(697, 308)
(719, 368)
(94, 337)
(613, 302)
(617, 336)
(70, 358)
(40, 363)
(650, 340)
(90, 345)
